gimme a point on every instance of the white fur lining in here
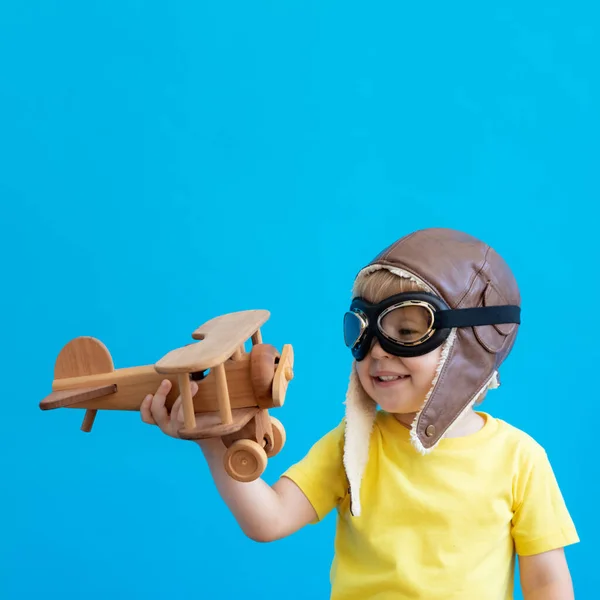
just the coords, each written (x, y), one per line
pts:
(361, 412)
(396, 271)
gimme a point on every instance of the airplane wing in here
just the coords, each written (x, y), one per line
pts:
(65, 398)
(220, 338)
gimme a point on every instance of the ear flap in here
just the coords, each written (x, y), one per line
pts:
(361, 412)
(466, 374)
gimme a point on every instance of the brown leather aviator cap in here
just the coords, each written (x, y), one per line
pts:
(465, 273)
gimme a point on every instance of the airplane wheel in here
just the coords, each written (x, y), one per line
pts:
(278, 437)
(245, 460)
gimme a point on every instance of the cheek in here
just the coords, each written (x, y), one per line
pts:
(362, 370)
(424, 368)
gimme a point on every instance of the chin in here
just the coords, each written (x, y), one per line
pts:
(397, 408)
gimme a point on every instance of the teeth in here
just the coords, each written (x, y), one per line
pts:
(389, 377)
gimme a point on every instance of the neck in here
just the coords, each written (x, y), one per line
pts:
(405, 419)
(469, 422)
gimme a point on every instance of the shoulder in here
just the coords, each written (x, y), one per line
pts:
(325, 455)
(515, 434)
(520, 445)
(333, 438)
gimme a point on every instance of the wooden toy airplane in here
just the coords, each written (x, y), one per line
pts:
(235, 388)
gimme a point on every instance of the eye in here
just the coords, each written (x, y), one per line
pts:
(406, 331)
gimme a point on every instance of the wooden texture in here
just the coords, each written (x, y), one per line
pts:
(283, 375)
(220, 338)
(233, 395)
(88, 420)
(259, 429)
(68, 398)
(210, 425)
(223, 394)
(83, 356)
(134, 383)
(279, 438)
(187, 401)
(245, 460)
(263, 429)
(263, 359)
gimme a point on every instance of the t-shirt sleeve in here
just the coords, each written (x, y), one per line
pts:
(541, 521)
(320, 474)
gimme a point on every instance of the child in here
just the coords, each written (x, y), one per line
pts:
(434, 498)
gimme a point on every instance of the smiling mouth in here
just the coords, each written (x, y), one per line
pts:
(390, 378)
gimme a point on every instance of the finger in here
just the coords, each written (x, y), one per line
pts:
(176, 411)
(145, 413)
(157, 405)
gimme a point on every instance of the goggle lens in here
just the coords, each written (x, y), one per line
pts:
(353, 328)
(407, 324)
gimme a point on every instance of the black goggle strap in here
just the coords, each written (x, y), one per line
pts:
(474, 317)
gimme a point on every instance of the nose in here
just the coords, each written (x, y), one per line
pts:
(377, 352)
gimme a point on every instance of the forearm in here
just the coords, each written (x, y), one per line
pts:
(263, 512)
(256, 506)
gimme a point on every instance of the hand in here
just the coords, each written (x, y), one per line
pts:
(154, 412)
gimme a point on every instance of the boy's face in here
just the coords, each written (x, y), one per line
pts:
(411, 379)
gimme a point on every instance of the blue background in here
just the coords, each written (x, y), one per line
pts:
(163, 163)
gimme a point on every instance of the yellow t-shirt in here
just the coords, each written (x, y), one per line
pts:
(442, 526)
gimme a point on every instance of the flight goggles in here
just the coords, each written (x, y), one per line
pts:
(414, 323)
